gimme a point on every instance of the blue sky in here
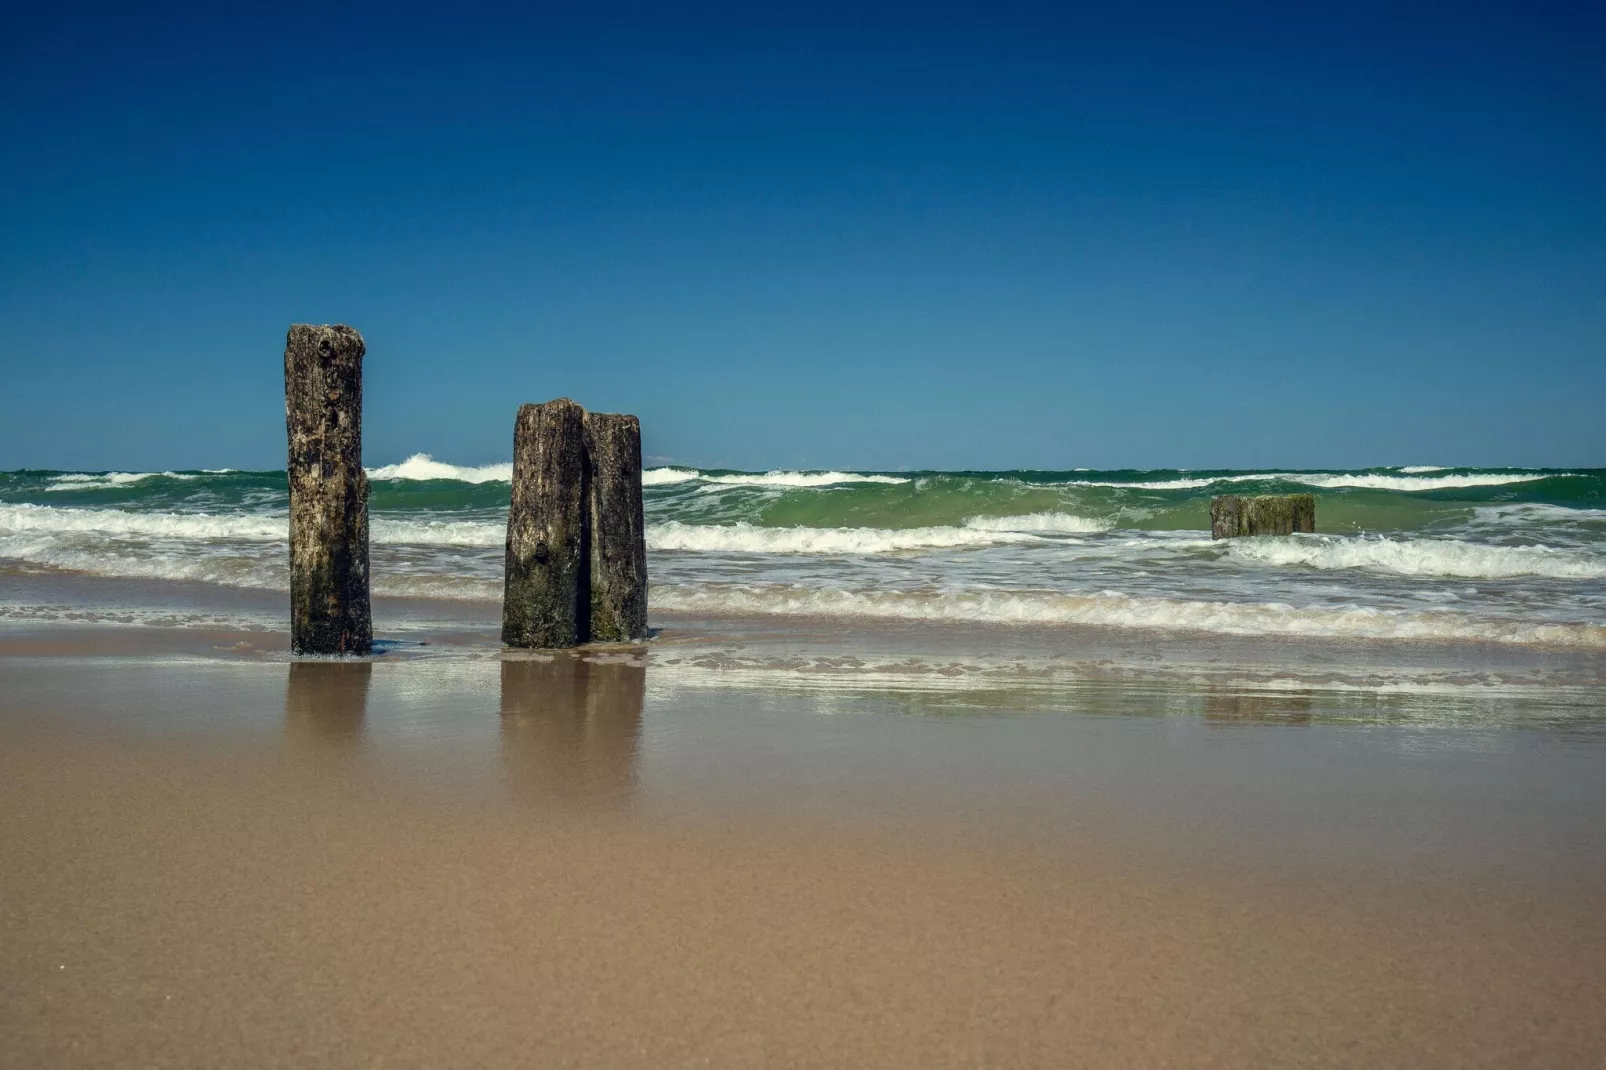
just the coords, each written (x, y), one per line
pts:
(944, 236)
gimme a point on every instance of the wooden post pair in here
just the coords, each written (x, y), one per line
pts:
(576, 545)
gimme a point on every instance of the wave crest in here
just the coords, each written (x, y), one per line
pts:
(744, 538)
(796, 479)
(421, 466)
(43, 519)
(1420, 557)
(1418, 483)
(105, 480)
(660, 477)
(1332, 480)
(1114, 610)
(1058, 523)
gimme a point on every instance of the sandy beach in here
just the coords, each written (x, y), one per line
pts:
(591, 861)
(842, 536)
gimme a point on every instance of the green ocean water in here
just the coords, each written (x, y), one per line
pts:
(1378, 499)
(1401, 554)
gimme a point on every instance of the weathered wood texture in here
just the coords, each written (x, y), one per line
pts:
(1232, 515)
(329, 603)
(547, 594)
(618, 531)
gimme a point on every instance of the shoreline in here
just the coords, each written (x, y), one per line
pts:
(1366, 679)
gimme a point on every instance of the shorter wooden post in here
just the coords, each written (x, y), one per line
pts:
(1232, 515)
(547, 589)
(618, 535)
(330, 611)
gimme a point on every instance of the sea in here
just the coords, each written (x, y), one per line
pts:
(1417, 575)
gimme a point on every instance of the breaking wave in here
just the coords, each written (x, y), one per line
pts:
(19, 520)
(659, 477)
(1410, 483)
(1114, 610)
(1057, 523)
(744, 538)
(102, 480)
(1110, 609)
(421, 466)
(1420, 557)
(1183, 483)
(30, 519)
(1331, 480)
(796, 479)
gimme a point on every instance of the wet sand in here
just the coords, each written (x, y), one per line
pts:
(598, 861)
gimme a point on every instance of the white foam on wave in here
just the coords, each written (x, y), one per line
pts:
(1114, 610)
(1418, 469)
(23, 520)
(797, 479)
(111, 526)
(259, 571)
(1418, 483)
(421, 466)
(41, 519)
(1180, 483)
(1419, 557)
(389, 532)
(744, 538)
(1529, 513)
(1330, 480)
(103, 480)
(227, 570)
(660, 477)
(1162, 484)
(1064, 523)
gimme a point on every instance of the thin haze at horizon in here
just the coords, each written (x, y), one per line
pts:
(853, 237)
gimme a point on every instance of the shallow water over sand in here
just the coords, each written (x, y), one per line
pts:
(744, 844)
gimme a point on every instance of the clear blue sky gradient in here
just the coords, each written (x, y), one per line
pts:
(935, 236)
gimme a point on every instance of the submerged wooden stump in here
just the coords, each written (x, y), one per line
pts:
(617, 529)
(547, 593)
(329, 604)
(1232, 515)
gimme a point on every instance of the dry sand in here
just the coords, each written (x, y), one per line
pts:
(179, 899)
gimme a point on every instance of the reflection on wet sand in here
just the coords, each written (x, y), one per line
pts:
(325, 703)
(570, 726)
(1274, 708)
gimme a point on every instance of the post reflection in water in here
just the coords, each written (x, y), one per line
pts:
(325, 703)
(570, 726)
(1272, 708)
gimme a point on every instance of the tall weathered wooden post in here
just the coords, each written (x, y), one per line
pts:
(618, 531)
(330, 611)
(547, 590)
